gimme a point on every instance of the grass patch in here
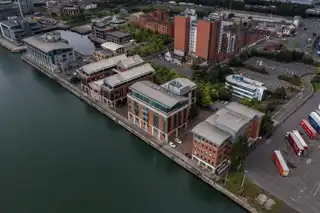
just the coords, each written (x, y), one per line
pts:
(294, 80)
(316, 86)
(250, 191)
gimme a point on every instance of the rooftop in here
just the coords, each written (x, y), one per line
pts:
(179, 86)
(111, 46)
(47, 42)
(244, 110)
(157, 93)
(118, 34)
(245, 82)
(211, 133)
(131, 61)
(128, 75)
(228, 120)
(101, 65)
(105, 51)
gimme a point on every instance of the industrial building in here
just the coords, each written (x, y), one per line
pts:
(49, 51)
(16, 29)
(213, 138)
(243, 87)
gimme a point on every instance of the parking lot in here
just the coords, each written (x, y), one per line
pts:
(301, 188)
(271, 82)
(275, 68)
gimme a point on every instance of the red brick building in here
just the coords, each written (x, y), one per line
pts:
(181, 35)
(156, 21)
(213, 138)
(206, 43)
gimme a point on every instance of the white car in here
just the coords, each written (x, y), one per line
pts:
(177, 140)
(172, 145)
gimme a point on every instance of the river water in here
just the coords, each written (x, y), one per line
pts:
(58, 155)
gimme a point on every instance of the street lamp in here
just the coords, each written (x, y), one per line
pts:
(244, 177)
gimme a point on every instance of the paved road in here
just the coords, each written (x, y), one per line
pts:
(292, 105)
(301, 189)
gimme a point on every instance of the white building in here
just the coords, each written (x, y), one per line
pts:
(245, 87)
(49, 52)
(193, 37)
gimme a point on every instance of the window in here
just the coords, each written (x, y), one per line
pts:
(156, 120)
(136, 109)
(164, 124)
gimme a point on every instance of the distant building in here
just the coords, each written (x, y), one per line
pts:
(100, 30)
(157, 21)
(72, 10)
(26, 5)
(213, 138)
(16, 29)
(108, 80)
(118, 37)
(49, 51)
(8, 9)
(109, 49)
(157, 110)
(243, 87)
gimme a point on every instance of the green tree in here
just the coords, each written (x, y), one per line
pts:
(225, 94)
(280, 93)
(266, 125)
(238, 152)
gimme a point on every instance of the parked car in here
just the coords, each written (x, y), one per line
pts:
(188, 155)
(177, 140)
(172, 145)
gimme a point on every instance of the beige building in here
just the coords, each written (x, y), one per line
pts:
(109, 49)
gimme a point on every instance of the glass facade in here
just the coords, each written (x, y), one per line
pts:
(145, 114)
(155, 104)
(156, 120)
(136, 109)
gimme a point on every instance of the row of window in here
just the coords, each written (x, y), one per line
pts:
(151, 102)
(204, 140)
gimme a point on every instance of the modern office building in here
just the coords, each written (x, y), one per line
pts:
(118, 37)
(8, 9)
(213, 138)
(157, 110)
(49, 51)
(108, 50)
(16, 29)
(26, 5)
(243, 87)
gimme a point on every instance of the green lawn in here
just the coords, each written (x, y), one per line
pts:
(316, 86)
(250, 191)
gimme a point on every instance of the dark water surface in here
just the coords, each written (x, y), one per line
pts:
(58, 155)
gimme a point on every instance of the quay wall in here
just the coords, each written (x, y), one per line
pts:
(166, 150)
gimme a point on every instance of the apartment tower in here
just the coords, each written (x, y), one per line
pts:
(181, 35)
(206, 43)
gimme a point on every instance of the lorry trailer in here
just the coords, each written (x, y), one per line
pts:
(294, 143)
(301, 140)
(280, 163)
(314, 120)
(311, 132)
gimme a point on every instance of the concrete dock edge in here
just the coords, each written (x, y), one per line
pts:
(180, 159)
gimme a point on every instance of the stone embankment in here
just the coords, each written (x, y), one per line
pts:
(166, 150)
(11, 47)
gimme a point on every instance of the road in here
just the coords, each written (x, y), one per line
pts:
(295, 102)
(301, 188)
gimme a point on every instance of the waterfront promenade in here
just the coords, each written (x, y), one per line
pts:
(176, 156)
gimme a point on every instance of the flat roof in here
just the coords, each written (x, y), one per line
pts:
(157, 93)
(111, 46)
(118, 34)
(45, 46)
(244, 110)
(244, 82)
(180, 86)
(211, 133)
(228, 120)
(128, 75)
(101, 65)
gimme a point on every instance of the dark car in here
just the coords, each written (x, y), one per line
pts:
(188, 155)
(291, 165)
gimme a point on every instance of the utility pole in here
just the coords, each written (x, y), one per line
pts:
(19, 5)
(226, 178)
(244, 177)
